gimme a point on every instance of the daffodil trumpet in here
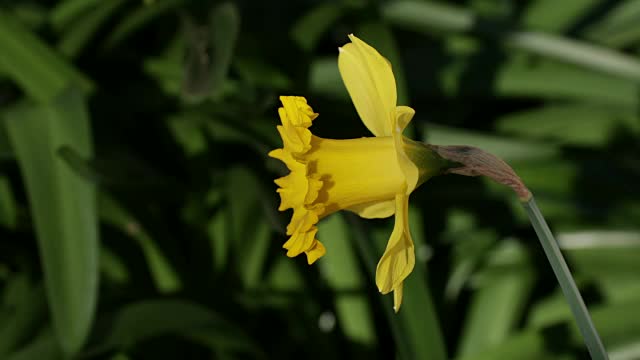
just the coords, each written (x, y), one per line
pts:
(371, 176)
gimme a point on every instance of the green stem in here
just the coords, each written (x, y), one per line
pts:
(568, 286)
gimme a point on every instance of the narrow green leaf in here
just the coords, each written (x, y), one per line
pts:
(250, 238)
(571, 124)
(224, 25)
(63, 207)
(617, 27)
(608, 257)
(43, 347)
(546, 15)
(416, 328)
(26, 311)
(148, 319)
(619, 330)
(8, 207)
(209, 50)
(471, 246)
(37, 69)
(138, 18)
(546, 79)
(188, 134)
(68, 11)
(370, 246)
(418, 313)
(428, 16)
(342, 273)
(529, 345)
(218, 232)
(79, 33)
(499, 303)
(164, 275)
(580, 313)
(508, 149)
(5, 147)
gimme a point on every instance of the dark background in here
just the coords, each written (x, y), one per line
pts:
(138, 213)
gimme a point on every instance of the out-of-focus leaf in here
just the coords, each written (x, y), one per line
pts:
(24, 310)
(37, 69)
(308, 29)
(415, 327)
(378, 35)
(619, 330)
(499, 302)
(63, 206)
(79, 33)
(261, 74)
(164, 275)
(43, 347)
(324, 79)
(503, 147)
(617, 28)
(32, 15)
(546, 15)
(250, 237)
(8, 207)
(546, 79)
(209, 52)
(597, 252)
(427, 16)
(371, 254)
(608, 258)
(526, 346)
(5, 147)
(188, 134)
(144, 320)
(63, 14)
(418, 314)
(253, 263)
(341, 271)
(112, 267)
(571, 124)
(79, 165)
(136, 19)
(470, 247)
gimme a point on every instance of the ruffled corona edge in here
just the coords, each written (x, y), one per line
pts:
(300, 188)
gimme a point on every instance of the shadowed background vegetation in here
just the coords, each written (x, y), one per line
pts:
(138, 214)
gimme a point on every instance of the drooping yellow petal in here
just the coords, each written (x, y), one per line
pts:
(370, 83)
(398, 260)
(375, 209)
(404, 114)
(397, 297)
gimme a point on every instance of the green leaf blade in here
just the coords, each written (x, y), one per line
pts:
(63, 207)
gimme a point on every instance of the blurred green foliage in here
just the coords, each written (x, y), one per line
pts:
(138, 214)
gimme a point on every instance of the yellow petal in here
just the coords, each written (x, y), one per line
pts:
(403, 116)
(397, 297)
(370, 83)
(316, 252)
(399, 257)
(375, 209)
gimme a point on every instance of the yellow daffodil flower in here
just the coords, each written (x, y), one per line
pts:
(371, 176)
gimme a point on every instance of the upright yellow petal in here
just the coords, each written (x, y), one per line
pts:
(399, 257)
(371, 85)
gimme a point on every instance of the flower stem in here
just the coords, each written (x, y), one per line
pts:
(568, 286)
